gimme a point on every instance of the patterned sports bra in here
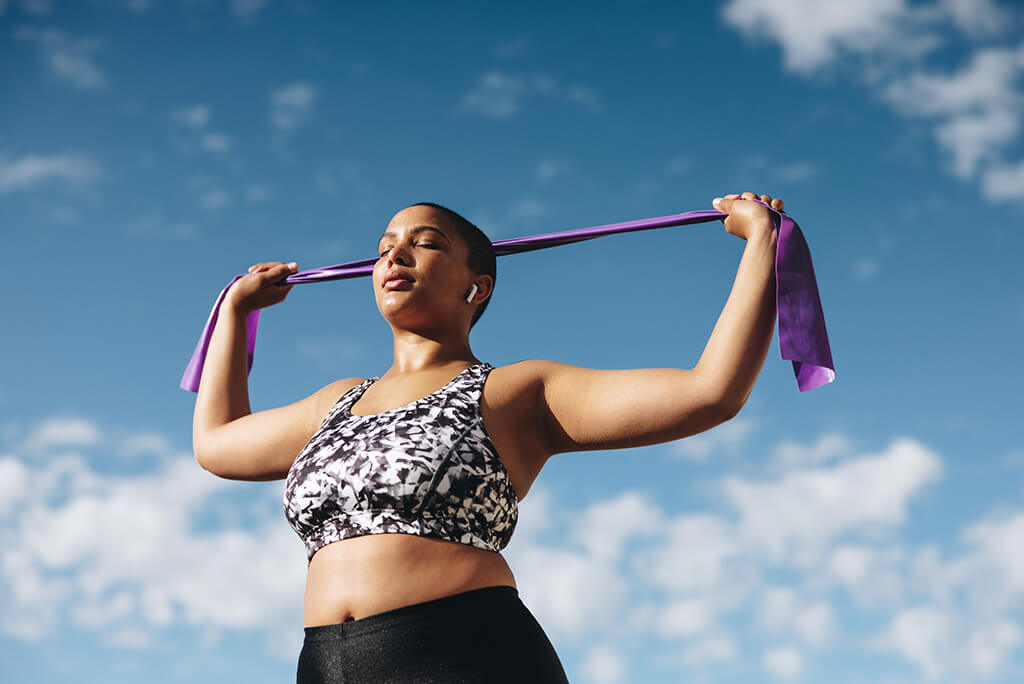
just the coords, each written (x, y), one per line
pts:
(427, 468)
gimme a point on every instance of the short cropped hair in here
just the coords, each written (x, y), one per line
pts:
(481, 258)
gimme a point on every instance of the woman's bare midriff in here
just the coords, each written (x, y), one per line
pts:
(360, 576)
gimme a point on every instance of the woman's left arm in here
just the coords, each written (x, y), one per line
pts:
(581, 408)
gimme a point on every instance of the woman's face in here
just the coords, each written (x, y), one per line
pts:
(421, 279)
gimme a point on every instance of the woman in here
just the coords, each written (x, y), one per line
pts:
(395, 484)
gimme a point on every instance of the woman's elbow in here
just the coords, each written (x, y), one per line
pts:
(204, 454)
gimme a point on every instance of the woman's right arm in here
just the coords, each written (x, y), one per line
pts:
(229, 439)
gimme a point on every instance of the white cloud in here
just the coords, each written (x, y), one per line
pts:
(713, 649)
(781, 611)
(1004, 182)
(699, 555)
(196, 116)
(988, 647)
(829, 446)
(122, 555)
(684, 618)
(62, 432)
(495, 95)
(13, 479)
(805, 510)
(922, 636)
(128, 556)
(603, 664)
(144, 443)
(785, 663)
(603, 529)
(727, 438)
(68, 59)
(560, 586)
(30, 170)
(812, 34)
(978, 18)
(292, 104)
(872, 575)
(976, 110)
(943, 646)
(993, 568)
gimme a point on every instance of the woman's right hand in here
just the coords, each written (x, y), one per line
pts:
(257, 289)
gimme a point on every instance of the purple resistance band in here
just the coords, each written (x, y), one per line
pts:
(802, 336)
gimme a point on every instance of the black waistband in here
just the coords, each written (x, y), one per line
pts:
(474, 598)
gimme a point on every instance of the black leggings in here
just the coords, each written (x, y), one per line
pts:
(477, 636)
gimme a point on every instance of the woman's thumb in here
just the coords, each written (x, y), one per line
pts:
(722, 204)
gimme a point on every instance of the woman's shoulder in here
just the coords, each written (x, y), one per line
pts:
(326, 397)
(522, 378)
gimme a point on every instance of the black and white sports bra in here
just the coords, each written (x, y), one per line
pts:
(427, 468)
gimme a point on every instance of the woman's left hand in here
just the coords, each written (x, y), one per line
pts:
(747, 219)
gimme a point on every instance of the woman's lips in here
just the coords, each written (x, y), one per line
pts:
(397, 281)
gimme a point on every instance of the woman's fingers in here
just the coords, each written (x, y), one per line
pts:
(773, 202)
(273, 265)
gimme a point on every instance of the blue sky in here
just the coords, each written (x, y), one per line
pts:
(871, 530)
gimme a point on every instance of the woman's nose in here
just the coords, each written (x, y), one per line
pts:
(399, 255)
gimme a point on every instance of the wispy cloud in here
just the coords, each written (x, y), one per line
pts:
(246, 9)
(500, 95)
(196, 116)
(516, 47)
(603, 664)
(547, 169)
(37, 7)
(209, 195)
(517, 218)
(215, 142)
(785, 663)
(155, 226)
(725, 439)
(779, 170)
(62, 432)
(865, 268)
(292, 105)
(258, 193)
(30, 170)
(977, 109)
(68, 59)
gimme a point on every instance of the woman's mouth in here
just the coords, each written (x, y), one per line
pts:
(396, 280)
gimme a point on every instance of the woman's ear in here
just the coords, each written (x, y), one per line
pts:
(481, 289)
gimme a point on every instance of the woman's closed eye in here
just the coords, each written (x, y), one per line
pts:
(427, 245)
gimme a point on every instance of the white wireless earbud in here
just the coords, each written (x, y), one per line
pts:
(472, 293)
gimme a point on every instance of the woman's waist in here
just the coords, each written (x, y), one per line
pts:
(361, 576)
